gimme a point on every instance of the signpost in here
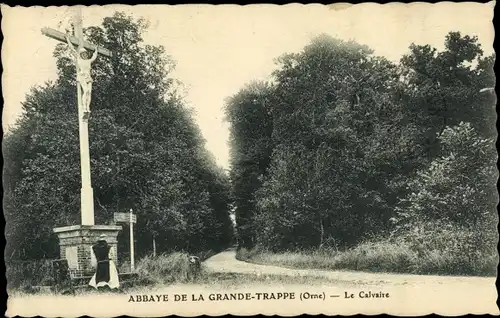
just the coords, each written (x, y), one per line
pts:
(124, 218)
(131, 223)
(129, 218)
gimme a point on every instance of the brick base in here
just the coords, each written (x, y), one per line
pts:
(75, 243)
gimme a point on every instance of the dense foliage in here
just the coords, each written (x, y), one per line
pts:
(251, 147)
(146, 154)
(351, 145)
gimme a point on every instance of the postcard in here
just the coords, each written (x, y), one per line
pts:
(258, 159)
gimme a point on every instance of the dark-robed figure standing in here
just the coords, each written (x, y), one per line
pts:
(106, 273)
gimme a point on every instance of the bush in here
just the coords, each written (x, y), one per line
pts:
(378, 257)
(164, 269)
(429, 249)
(24, 274)
(443, 248)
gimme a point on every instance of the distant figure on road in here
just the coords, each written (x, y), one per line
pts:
(106, 275)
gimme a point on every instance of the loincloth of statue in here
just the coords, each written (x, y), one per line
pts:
(84, 78)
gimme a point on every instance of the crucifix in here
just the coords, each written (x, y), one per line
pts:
(84, 87)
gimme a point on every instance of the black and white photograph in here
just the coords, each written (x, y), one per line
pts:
(250, 159)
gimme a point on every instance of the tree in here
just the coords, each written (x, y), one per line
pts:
(140, 136)
(459, 185)
(349, 132)
(442, 88)
(251, 128)
(326, 184)
(453, 200)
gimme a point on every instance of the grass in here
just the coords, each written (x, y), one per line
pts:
(382, 256)
(368, 256)
(165, 269)
(21, 274)
(173, 269)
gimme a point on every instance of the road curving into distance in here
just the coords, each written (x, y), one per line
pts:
(226, 262)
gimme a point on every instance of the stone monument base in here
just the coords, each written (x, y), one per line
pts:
(75, 243)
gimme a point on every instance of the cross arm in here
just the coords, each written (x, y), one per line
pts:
(56, 35)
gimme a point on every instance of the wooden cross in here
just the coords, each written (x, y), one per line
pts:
(57, 35)
(87, 194)
(77, 38)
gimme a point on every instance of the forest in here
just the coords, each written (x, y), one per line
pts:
(368, 163)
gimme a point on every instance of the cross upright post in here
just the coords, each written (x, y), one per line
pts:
(86, 193)
(75, 241)
(87, 196)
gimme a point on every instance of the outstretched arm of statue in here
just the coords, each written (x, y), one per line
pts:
(71, 47)
(94, 56)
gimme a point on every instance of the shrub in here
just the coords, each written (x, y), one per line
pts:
(453, 249)
(23, 274)
(378, 257)
(427, 249)
(164, 269)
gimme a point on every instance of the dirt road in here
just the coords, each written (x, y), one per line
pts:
(227, 262)
(409, 294)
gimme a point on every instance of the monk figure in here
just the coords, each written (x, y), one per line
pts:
(106, 275)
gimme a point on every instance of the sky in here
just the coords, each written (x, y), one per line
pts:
(218, 49)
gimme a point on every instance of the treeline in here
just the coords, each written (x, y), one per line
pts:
(343, 146)
(146, 154)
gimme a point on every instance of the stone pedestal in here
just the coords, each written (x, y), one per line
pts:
(75, 243)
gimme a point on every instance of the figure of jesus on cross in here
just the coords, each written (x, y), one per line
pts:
(79, 49)
(83, 76)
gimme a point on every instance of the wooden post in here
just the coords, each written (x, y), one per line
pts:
(130, 218)
(132, 261)
(154, 246)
